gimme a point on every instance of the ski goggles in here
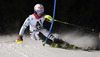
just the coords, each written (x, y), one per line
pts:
(40, 11)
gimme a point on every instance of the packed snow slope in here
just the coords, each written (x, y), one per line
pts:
(32, 48)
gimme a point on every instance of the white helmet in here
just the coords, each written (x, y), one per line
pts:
(38, 8)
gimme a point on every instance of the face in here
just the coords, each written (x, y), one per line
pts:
(39, 14)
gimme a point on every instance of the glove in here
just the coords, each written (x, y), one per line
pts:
(20, 39)
(48, 17)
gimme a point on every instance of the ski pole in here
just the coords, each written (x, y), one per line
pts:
(65, 23)
(61, 22)
(10, 41)
(72, 24)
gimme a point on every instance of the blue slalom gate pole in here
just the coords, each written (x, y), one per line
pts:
(51, 23)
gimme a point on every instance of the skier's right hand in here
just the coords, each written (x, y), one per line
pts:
(20, 39)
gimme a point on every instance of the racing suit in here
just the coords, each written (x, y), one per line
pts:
(35, 24)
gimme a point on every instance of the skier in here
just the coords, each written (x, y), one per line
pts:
(35, 23)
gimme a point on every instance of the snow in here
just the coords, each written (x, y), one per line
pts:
(32, 48)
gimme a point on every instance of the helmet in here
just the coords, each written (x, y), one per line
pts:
(38, 8)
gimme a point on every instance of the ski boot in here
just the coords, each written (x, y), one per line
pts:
(86, 48)
(59, 43)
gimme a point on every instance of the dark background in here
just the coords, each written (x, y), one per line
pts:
(84, 13)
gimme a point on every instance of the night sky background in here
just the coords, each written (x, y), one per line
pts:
(84, 13)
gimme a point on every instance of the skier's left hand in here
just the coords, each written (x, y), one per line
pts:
(48, 17)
